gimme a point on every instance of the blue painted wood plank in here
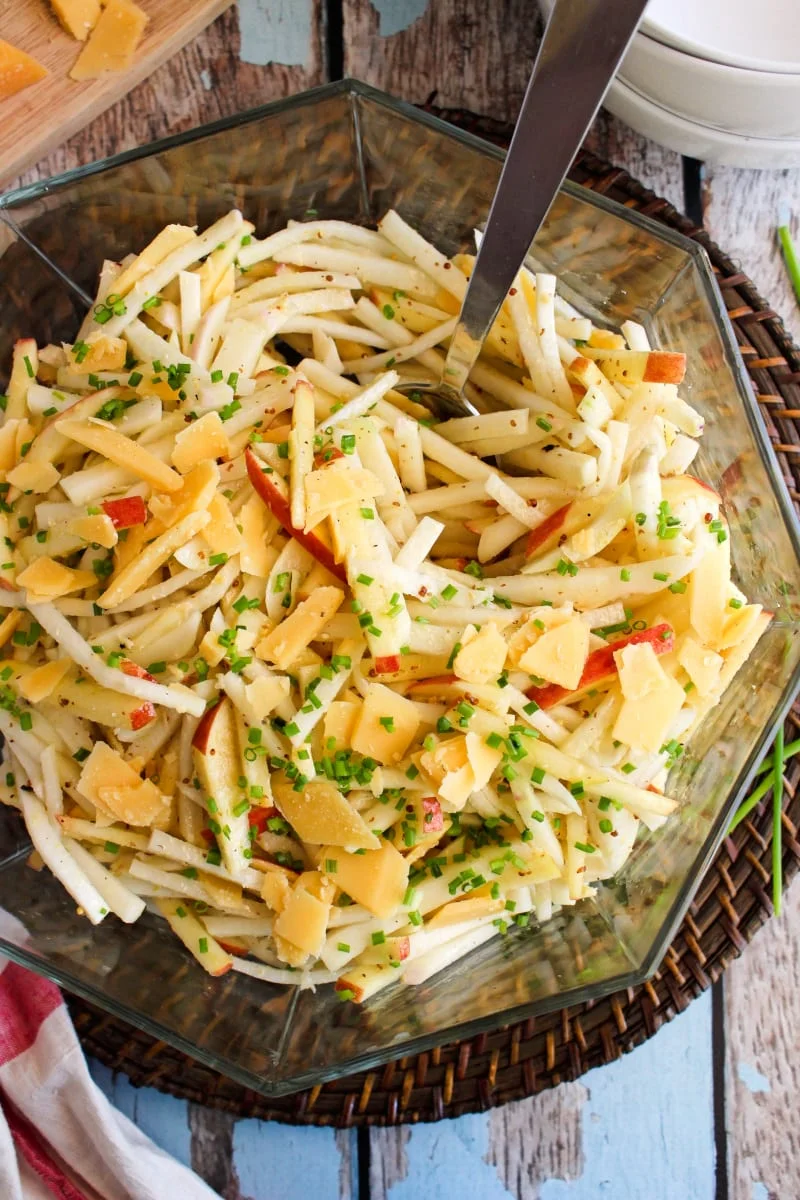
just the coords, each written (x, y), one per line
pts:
(648, 1123)
(163, 1118)
(274, 1161)
(269, 1160)
(275, 31)
(645, 1131)
(396, 15)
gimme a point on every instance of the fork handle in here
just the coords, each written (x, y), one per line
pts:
(583, 44)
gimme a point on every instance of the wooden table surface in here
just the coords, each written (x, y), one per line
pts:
(707, 1108)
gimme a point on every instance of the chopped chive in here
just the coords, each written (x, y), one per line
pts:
(777, 823)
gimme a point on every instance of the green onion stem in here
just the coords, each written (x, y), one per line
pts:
(789, 751)
(777, 826)
(768, 765)
(790, 258)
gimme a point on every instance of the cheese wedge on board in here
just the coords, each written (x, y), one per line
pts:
(78, 17)
(113, 41)
(17, 70)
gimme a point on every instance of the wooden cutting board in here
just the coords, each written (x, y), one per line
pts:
(47, 113)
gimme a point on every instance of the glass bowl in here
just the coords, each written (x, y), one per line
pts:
(347, 151)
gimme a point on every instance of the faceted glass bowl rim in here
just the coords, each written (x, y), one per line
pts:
(693, 250)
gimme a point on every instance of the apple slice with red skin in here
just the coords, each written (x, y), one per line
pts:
(143, 715)
(433, 817)
(394, 949)
(229, 948)
(323, 457)
(203, 733)
(600, 665)
(278, 505)
(701, 483)
(258, 817)
(93, 702)
(126, 512)
(128, 667)
(146, 712)
(403, 947)
(387, 664)
(543, 537)
(453, 564)
(49, 443)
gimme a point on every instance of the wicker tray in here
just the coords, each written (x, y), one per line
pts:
(731, 905)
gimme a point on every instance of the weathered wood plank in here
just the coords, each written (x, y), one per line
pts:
(540, 1139)
(212, 1149)
(763, 1061)
(459, 53)
(741, 211)
(388, 1159)
(219, 73)
(641, 1128)
(259, 1160)
(163, 1118)
(653, 165)
(278, 1160)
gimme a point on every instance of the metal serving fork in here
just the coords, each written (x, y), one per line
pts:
(583, 43)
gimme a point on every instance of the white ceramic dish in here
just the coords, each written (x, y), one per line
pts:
(696, 140)
(763, 38)
(732, 99)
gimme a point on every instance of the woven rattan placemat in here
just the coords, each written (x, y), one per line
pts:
(731, 905)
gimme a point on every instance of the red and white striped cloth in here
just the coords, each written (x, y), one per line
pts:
(59, 1135)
